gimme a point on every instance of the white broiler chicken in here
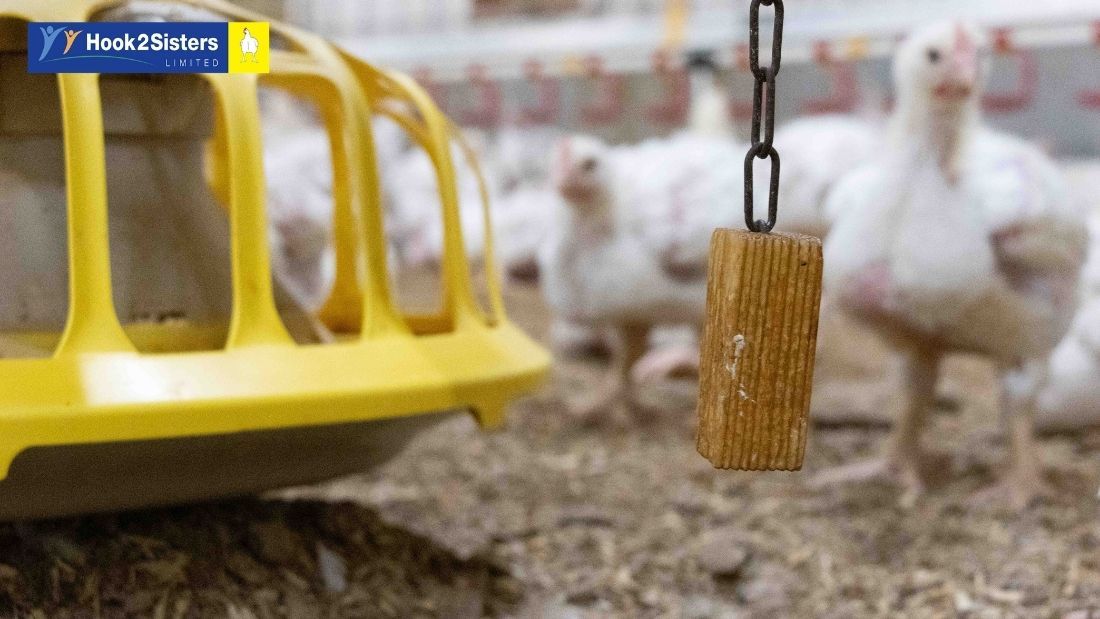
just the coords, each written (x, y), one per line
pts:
(601, 268)
(674, 207)
(524, 158)
(709, 113)
(674, 350)
(1071, 398)
(933, 250)
(298, 171)
(676, 191)
(521, 215)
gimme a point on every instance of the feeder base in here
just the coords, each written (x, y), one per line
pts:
(64, 480)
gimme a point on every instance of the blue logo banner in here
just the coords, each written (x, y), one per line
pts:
(135, 47)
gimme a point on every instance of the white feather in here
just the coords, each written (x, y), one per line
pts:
(816, 152)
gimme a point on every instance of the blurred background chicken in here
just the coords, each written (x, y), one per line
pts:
(1071, 398)
(300, 211)
(820, 151)
(599, 269)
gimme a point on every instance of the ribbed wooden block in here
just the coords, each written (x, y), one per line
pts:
(757, 360)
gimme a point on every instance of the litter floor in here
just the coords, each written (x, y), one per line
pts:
(553, 518)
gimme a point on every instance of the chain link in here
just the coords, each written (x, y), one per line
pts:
(763, 113)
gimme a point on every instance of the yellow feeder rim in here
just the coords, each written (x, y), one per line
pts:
(97, 389)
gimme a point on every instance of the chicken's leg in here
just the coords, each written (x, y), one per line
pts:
(901, 462)
(904, 454)
(635, 344)
(1023, 482)
(618, 390)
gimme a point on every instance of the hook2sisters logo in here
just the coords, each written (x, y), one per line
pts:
(148, 47)
(49, 35)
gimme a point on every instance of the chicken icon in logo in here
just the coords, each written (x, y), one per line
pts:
(249, 45)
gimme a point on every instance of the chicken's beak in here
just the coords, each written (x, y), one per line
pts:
(962, 69)
(562, 164)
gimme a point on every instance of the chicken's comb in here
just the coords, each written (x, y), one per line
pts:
(964, 44)
(565, 154)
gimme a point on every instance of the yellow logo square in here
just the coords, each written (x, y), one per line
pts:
(249, 47)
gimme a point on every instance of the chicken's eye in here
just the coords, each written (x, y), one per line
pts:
(588, 165)
(933, 55)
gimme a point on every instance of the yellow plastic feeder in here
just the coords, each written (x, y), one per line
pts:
(158, 390)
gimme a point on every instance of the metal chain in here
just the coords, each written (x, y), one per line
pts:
(763, 113)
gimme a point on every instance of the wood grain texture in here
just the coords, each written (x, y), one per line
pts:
(756, 365)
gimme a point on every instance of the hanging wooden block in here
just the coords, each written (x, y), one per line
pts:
(756, 365)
